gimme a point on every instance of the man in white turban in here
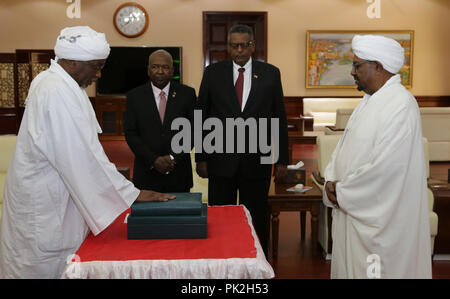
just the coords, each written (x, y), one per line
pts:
(60, 184)
(376, 179)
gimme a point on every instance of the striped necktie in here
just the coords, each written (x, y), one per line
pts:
(162, 105)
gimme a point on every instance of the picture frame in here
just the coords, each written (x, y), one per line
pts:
(329, 56)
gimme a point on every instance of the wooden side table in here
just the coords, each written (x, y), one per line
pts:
(441, 192)
(281, 200)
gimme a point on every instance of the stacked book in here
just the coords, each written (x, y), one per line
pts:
(181, 218)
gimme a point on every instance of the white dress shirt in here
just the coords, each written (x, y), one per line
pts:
(157, 92)
(247, 79)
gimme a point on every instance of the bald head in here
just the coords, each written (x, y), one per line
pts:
(160, 68)
(160, 54)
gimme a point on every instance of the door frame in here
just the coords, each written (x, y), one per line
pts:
(232, 14)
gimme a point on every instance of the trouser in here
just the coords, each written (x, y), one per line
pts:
(252, 194)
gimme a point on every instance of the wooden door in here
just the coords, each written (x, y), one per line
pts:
(215, 30)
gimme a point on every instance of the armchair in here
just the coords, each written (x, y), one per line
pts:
(7, 145)
(434, 120)
(342, 117)
(323, 110)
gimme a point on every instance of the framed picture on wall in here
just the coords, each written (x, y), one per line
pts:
(329, 57)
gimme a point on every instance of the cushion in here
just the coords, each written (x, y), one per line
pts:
(326, 145)
(433, 223)
(328, 104)
(342, 117)
(439, 150)
(2, 185)
(7, 144)
(433, 120)
(324, 109)
(426, 150)
(322, 119)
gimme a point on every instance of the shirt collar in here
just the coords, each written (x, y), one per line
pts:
(157, 91)
(247, 66)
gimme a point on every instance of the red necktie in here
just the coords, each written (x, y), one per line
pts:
(239, 86)
(162, 105)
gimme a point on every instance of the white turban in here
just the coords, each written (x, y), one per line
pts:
(81, 43)
(379, 48)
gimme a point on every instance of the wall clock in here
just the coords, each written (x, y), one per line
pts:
(131, 19)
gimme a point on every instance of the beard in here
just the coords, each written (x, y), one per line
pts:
(359, 87)
(358, 84)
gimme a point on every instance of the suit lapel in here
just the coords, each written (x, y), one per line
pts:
(256, 73)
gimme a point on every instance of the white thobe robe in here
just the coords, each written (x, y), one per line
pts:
(382, 191)
(60, 183)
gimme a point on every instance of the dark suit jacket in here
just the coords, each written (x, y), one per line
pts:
(149, 139)
(217, 98)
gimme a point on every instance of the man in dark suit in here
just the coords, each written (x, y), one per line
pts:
(150, 110)
(247, 89)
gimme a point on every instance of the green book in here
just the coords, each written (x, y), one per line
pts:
(171, 219)
(168, 227)
(183, 204)
(167, 231)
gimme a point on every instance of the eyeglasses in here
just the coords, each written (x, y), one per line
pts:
(355, 66)
(242, 45)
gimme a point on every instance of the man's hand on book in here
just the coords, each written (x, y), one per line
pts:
(148, 195)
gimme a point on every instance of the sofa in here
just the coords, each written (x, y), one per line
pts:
(326, 145)
(323, 110)
(342, 117)
(7, 145)
(436, 128)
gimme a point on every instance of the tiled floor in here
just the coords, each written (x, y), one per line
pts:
(295, 256)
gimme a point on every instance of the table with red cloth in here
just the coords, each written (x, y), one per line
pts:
(231, 250)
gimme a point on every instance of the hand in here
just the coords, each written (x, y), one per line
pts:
(148, 195)
(280, 171)
(330, 188)
(202, 169)
(164, 164)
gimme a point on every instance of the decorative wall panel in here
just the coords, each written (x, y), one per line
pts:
(7, 85)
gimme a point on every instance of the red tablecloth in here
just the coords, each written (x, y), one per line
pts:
(230, 241)
(228, 236)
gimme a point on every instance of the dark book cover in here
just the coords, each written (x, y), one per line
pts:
(168, 227)
(171, 219)
(183, 204)
(167, 231)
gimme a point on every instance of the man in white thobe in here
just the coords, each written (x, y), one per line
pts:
(376, 179)
(60, 184)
